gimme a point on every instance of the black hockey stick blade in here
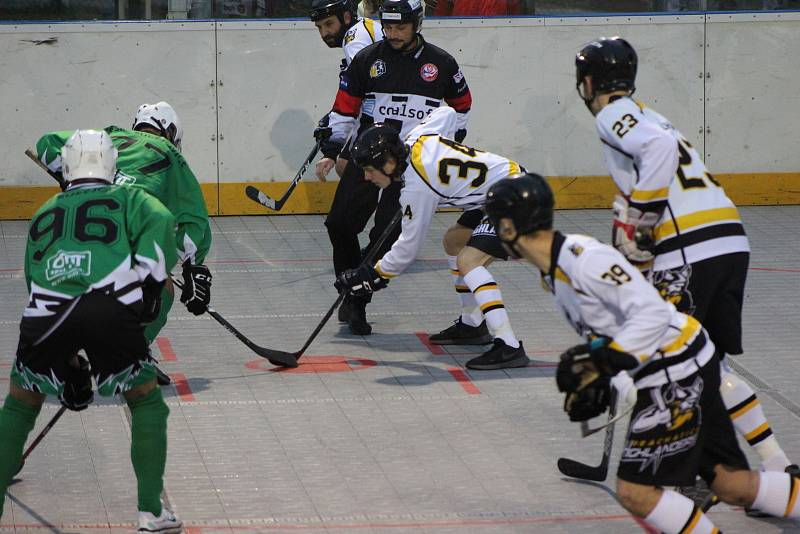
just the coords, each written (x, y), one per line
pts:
(262, 198)
(254, 194)
(575, 469)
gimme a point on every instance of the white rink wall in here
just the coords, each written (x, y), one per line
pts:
(249, 93)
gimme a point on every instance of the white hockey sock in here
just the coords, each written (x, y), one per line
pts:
(676, 514)
(490, 300)
(470, 311)
(748, 419)
(777, 494)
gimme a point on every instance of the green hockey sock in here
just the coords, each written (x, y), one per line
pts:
(149, 448)
(16, 422)
(153, 328)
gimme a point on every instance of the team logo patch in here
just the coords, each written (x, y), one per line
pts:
(123, 179)
(377, 69)
(66, 265)
(350, 36)
(458, 77)
(429, 72)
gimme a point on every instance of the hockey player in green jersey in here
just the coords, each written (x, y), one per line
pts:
(150, 159)
(96, 260)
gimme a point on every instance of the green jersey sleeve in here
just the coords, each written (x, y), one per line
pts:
(48, 148)
(151, 229)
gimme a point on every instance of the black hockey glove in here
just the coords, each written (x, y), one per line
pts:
(151, 300)
(361, 282)
(196, 294)
(584, 373)
(77, 394)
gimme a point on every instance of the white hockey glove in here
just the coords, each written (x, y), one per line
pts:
(632, 233)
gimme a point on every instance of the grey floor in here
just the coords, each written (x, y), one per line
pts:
(370, 434)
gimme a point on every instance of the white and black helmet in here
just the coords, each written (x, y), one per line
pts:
(89, 154)
(402, 12)
(162, 117)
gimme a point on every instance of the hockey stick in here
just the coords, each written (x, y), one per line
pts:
(575, 469)
(54, 175)
(254, 194)
(275, 357)
(367, 259)
(40, 437)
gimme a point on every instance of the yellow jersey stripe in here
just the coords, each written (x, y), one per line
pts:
(513, 167)
(561, 275)
(792, 496)
(492, 303)
(763, 427)
(649, 195)
(689, 330)
(695, 219)
(369, 24)
(485, 287)
(416, 159)
(383, 273)
(692, 522)
(744, 409)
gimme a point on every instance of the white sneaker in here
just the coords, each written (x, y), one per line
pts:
(166, 523)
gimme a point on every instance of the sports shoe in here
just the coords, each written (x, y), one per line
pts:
(462, 334)
(500, 356)
(358, 318)
(166, 523)
(346, 309)
(794, 471)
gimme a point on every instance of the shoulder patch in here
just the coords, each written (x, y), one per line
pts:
(407, 212)
(377, 69)
(350, 35)
(576, 249)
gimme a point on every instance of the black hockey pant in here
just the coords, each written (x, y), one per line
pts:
(353, 204)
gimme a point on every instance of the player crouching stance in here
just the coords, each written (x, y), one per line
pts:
(679, 426)
(96, 261)
(436, 171)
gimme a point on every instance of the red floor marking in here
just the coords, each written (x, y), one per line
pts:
(316, 364)
(167, 354)
(433, 349)
(462, 378)
(182, 387)
(10, 270)
(775, 269)
(272, 525)
(645, 525)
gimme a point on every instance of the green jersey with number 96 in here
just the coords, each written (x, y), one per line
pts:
(92, 237)
(152, 163)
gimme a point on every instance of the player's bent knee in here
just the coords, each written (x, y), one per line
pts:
(142, 390)
(738, 487)
(469, 258)
(455, 239)
(638, 499)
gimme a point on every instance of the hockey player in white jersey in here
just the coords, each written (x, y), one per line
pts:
(634, 339)
(438, 172)
(674, 219)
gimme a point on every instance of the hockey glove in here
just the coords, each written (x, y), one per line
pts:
(196, 294)
(77, 393)
(361, 282)
(460, 135)
(151, 300)
(632, 233)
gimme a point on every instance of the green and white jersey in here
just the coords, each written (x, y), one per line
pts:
(96, 237)
(152, 163)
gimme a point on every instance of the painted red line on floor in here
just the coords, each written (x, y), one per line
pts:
(271, 525)
(167, 354)
(645, 525)
(775, 269)
(433, 349)
(462, 378)
(10, 270)
(182, 387)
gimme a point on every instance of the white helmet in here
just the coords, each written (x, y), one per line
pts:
(89, 154)
(162, 117)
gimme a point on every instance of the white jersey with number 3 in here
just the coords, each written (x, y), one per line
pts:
(442, 173)
(601, 294)
(656, 168)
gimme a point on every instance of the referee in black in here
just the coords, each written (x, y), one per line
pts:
(396, 81)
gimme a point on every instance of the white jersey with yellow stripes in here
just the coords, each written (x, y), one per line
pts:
(601, 294)
(442, 173)
(655, 167)
(362, 34)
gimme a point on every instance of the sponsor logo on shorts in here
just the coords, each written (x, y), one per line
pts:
(377, 69)
(65, 265)
(429, 72)
(673, 286)
(484, 228)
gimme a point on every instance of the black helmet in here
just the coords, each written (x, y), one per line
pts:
(526, 199)
(402, 12)
(375, 143)
(321, 9)
(610, 62)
